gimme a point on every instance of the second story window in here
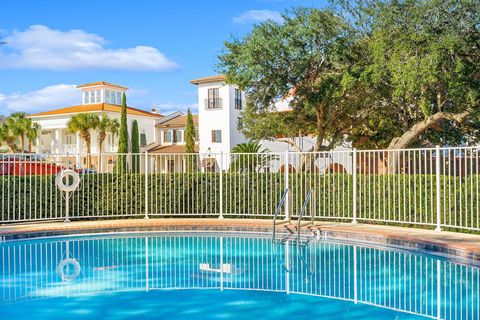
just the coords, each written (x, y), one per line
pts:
(177, 136)
(167, 136)
(213, 101)
(238, 99)
(216, 136)
(143, 139)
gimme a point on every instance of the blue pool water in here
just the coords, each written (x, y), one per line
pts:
(175, 276)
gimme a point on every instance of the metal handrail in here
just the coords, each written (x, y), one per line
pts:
(305, 203)
(277, 211)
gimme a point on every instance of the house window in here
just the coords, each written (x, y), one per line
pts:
(213, 101)
(119, 97)
(92, 96)
(177, 136)
(97, 96)
(143, 139)
(107, 96)
(216, 136)
(110, 139)
(196, 135)
(238, 99)
(85, 97)
(167, 136)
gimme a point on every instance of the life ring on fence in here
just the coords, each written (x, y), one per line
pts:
(70, 263)
(67, 174)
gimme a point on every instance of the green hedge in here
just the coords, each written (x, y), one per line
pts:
(379, 197)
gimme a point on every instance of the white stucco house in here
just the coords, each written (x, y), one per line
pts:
(168, 150)
(97, 97)
(219, 111)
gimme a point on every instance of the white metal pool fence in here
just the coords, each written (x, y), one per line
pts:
(431, 187)
(396, 280)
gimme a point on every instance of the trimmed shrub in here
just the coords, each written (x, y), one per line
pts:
(380, 198)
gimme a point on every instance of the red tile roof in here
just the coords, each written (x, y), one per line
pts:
(174, 148)
(97, 107)
(216, 78)
(101, 83)
(178, 122)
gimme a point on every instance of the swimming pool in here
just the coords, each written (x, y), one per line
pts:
(213, 276)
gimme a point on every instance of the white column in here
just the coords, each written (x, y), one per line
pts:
(78, 147)
(58, 141)
(58, 144)
(38, 146)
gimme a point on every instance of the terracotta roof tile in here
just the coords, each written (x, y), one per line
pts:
(101, 83)
(174, 148)
(178, 122)
(97, 107)
(215, 78)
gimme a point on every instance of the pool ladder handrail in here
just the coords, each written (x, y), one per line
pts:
(302, 212)
(277, 211)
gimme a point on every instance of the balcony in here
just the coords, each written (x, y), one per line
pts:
(213, 103)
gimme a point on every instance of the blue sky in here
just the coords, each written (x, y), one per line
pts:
(152, 47)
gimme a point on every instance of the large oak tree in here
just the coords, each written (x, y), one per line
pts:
(424, 62)
(309, 60)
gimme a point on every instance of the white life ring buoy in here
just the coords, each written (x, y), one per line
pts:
(68, 173)
(64, 274)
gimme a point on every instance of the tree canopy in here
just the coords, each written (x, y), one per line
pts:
(381, 73)
(423, 60)
(307, 61)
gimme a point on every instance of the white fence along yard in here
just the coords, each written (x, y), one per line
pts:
(431, 187)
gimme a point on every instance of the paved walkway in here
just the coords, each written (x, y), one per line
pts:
(430, 240)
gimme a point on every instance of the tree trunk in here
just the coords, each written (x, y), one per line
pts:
(86, 138)
(412, 134)
(12, 146)
(22, 142)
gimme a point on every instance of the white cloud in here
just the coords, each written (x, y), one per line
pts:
(253, 16)
(40, 47)
(167, 108)
(51, 97)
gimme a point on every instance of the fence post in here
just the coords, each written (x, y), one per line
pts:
(438, 191)
(354, 173)
(221, 185)
(146, 185)
(285, 172)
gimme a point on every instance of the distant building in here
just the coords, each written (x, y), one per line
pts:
(170, 142)
(98, 98)
(219, 107)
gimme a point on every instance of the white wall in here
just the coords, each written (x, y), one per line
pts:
(59, 123)
(225, 119)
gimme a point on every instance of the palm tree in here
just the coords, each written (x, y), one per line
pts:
(8, 137)
(33, 132)
(83, 123)
(249, 156)
(19, 125)
(106, 125)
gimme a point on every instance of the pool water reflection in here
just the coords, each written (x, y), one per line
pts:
(138, 276)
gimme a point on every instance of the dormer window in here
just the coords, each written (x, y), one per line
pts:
(102, 92)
